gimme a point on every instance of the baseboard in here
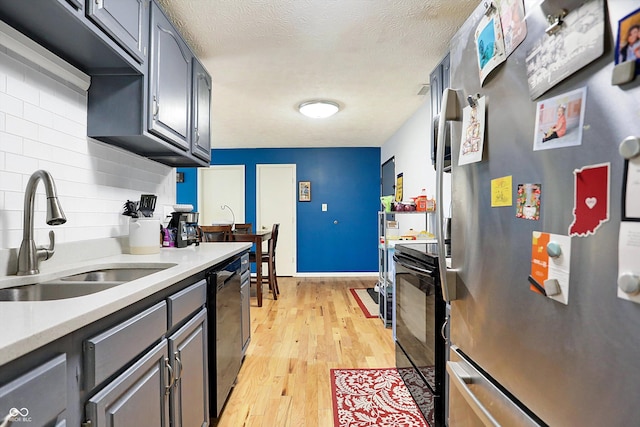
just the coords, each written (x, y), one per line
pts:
(338, 274)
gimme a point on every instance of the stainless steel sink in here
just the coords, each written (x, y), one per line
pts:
(54, 290)
(78, 284)
(111, 275)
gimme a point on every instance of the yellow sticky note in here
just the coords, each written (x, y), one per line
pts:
(501, 191)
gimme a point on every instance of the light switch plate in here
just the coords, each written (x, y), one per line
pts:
(324, 207)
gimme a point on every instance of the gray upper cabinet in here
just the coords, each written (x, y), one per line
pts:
(92, 45)
(170, 75)
(151, 114)
(144, 96)
(127, 22)
(201, 145)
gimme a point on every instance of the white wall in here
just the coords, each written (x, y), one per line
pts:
(43, 125)
(411, 147)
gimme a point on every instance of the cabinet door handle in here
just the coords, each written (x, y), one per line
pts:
(172, 379)
(197, 135)
(156, 107)
(7, 421)
(176, 356)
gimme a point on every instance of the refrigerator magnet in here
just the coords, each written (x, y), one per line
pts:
(550, 262)
(528, 201)
(560, 120)
(591, 199)
(578, 42)
(489, 45)
(501, 192)
(514, 25)
(631, 190)
(473, 122)
(628, 255)
(628, 45)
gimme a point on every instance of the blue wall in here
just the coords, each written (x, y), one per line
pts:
(346, 179)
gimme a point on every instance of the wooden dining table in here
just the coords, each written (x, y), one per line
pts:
(256, 237)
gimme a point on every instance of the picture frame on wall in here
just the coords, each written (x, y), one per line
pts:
(304, 191)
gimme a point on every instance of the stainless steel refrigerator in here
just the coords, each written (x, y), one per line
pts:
(519, 357)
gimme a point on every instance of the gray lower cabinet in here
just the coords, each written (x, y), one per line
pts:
(37, 398)
(190, 389)
(138, 397)
(167, 385)
(170, 77)
(106, 353)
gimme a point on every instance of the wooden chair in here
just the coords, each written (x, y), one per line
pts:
(242, 229)
(270, 259)
(216, 233)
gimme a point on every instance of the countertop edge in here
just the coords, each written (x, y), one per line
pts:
(35, 324)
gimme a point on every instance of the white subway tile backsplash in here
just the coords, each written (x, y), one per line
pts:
(12, 220)
(37, 150)
(10, 181)
(21, 127)
(70, 127)
(38, 115)
(3, 81)
(21, 90)
(20, 164)
(13, 201)
(10, 143)
(60, 139)
(43, 126)
(11, 105)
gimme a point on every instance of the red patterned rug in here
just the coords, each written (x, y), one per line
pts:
(372, 397)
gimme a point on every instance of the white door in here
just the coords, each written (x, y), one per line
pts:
(276, 203)
(220, 186)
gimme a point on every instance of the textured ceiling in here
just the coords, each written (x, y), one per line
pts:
(267, 56)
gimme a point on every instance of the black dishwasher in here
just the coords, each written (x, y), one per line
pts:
(225, 358)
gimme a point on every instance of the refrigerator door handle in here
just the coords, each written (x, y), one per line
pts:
(448, 111)
(461, 380)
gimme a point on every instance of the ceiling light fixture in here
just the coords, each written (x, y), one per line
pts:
(318, 109)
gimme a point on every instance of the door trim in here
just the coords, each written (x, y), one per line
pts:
(294, 200)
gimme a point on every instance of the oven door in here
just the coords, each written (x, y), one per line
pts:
(420, 391)
(420, 313)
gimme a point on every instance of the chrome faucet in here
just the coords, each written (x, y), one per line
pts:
(29, 256)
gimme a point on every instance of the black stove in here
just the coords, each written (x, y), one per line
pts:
(420, 313)
(425, 252)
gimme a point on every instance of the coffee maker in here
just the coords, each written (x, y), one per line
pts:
(186, 228)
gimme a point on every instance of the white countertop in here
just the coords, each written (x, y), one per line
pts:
(28, 325)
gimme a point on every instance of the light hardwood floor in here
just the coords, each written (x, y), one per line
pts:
(314, 326)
